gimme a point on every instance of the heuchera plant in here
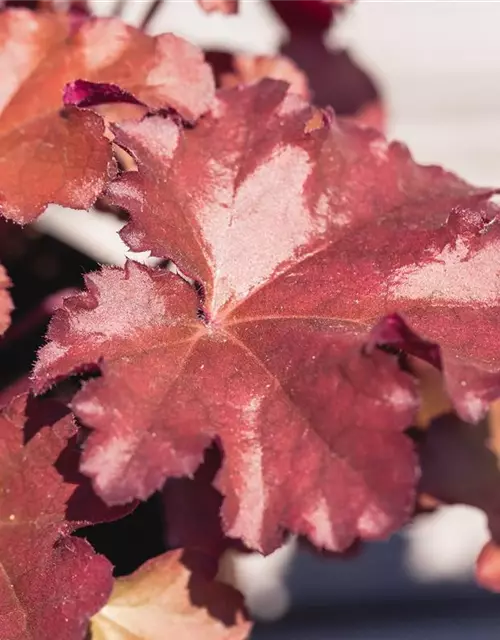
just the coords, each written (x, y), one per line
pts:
(315, 354)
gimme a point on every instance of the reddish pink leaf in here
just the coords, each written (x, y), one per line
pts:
(223, 6)
(169, 597)
(67, 159)
(181, 406)
(303, 234)
(50, 583)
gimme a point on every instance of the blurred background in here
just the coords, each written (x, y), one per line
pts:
(437, 64)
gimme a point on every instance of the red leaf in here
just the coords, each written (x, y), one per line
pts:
(50, 583)
(304, 233)
(67, 159)
(223, 6)
(169, 597)
(173, 413)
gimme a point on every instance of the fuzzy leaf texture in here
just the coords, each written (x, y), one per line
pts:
(50, 582)
(66, 156)
(168, 597)
(305, 234)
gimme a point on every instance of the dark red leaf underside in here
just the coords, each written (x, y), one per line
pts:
(65, 157)
(460, 467)
(304, 233)
(50, 583)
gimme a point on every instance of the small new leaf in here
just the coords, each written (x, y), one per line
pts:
(168, 597)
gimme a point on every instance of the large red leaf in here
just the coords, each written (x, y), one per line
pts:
(169, 597)
(66, 158)
(50, 582)
(303, 233)
(172, 384)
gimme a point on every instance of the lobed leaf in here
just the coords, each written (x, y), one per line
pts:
(294, 227)
(306, 235)
(65, 156)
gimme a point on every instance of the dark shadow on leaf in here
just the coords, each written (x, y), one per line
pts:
(205, 593)
(42, 412)
(190, 501)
